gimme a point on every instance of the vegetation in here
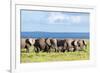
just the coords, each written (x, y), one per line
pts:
(45, 57)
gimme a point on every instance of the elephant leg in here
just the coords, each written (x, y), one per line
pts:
(33, 49)
(55, 49)
(71, 49)
(27, 49)
(63, 50)
(49, 49)
(75, 49)
(59, 49)
(68, 50)
(37, 50)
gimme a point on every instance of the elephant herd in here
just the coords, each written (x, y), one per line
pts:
(48, 44)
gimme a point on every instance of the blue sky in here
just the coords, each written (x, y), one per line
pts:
(48, 21)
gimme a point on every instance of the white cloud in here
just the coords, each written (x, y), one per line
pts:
(75, 19)
(56, 17)
(62, 18)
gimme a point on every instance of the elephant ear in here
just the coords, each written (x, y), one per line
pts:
(32, 41)
(42, 41)
(27, 42)
(75, 42)
(48, 42)
(78, 43)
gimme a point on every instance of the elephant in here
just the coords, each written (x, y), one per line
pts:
(48, 44)
(85, 43)
(23, 43)
(82, 44)
(70, 45)
(45, 44)
(40, 45)
(27, 43)
(62, 45)
(36, 45)
(54, 44)
(58, 45)
(75, 45)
